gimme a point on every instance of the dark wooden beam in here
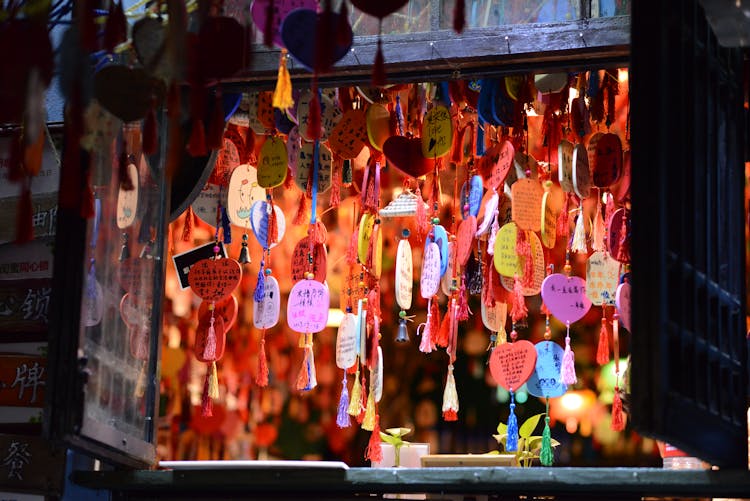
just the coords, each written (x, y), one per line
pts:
(278, 483)
(444, 54)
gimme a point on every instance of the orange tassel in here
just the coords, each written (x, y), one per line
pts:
(187, 229)
(618, 420)
(602, 350)
(378, 67)
(301, 216)
(335, 199)
(215, 137)
(289, 181)
(374, 451)
(518, 309)
(261, 378)
(24, 224)
(351, 252)
(523, 250)
(149, 140)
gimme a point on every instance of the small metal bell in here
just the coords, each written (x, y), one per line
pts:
(125, 251)
(244, 254)
(402, 335)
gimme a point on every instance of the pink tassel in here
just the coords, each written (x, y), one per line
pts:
(568, 369)
(374, 451)
(209, 351)
(518, 310)
(597, 234)
(261, 378)
(427, 345)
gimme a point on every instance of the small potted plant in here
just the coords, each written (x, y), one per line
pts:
(530, 447)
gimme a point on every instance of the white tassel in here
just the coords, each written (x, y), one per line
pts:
(579, 235)
(450, 397)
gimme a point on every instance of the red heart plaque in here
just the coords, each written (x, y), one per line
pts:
(405, 154)
(214, 279)
(512, 364)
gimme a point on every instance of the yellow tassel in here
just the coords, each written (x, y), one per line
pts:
(213, 382)
(368, 423)
(356, 396)
(282, 95)
(502, 336)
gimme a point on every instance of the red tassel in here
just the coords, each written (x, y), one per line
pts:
(362, 402)
(273, 227)
(187, 229)
(463, 304)
(149, 139)
(261, 378)
(207, 404)
(24, 224)
(374, 451)
(197, 144)
(351, 252)
(378, 67)
(313, 121)
(563, 220)
(289, 181)
(623, 251)
(435, 326)
(443, 336)
(618, 420)
(301, 216)
(602, 350)
(459, 16)
(423, 226)
(518, 310)
(215, 137)
(268, 28)
(450, 415)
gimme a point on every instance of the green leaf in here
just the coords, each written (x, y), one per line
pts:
(535, 442)
(394, 441)
(528, 427)
(502, 429)
(492, 453)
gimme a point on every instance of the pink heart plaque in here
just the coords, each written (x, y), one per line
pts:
(565, 297)
(512, 364)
